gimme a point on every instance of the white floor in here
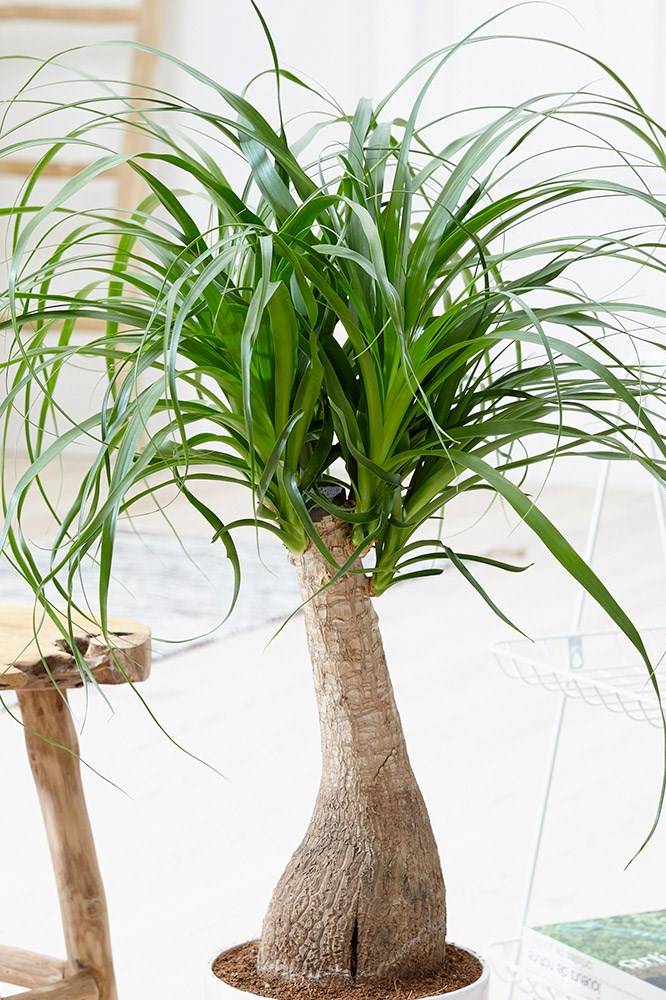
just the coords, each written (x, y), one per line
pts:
(190, 858)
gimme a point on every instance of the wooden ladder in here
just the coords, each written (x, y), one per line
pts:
(144, 18)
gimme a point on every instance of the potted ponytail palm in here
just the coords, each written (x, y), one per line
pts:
(368, 326)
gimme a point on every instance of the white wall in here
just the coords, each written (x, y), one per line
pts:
(360, 46)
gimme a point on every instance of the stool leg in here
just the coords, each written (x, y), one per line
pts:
(57, 777)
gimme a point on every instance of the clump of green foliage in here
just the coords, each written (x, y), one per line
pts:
(367, 310)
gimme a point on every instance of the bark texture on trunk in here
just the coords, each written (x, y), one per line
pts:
(363, 896)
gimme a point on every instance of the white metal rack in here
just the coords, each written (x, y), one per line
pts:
(599, 668)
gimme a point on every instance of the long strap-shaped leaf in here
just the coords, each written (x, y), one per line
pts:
(574, 564)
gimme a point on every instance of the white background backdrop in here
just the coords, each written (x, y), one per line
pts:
(188, 860)
(359, 46)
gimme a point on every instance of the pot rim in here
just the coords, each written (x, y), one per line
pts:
(462, 991)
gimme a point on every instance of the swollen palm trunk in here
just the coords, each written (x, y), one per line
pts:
(363, 896)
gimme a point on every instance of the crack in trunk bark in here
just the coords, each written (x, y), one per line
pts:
(354, 950)
(363, 896)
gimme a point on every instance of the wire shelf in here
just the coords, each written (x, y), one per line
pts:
(504, 957)
(599, 668)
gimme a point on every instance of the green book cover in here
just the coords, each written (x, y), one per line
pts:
(634, 943)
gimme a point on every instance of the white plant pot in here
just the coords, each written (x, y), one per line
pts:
(216, 989)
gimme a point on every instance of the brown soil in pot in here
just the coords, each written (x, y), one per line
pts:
(238, 968)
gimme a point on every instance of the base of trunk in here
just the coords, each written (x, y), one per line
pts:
(234, 974)
(363, 896)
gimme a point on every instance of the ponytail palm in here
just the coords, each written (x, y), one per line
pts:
(357, 335)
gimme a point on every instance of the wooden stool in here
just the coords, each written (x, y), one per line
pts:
(30, 668)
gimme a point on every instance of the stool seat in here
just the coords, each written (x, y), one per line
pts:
(39, 664)
(34, 654)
